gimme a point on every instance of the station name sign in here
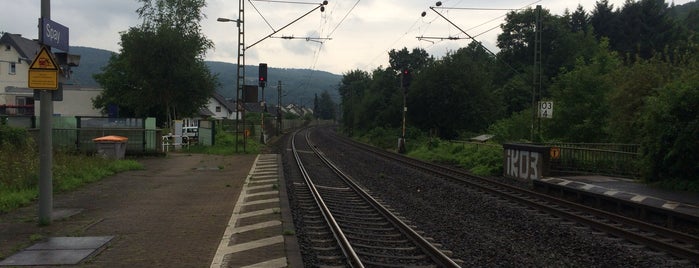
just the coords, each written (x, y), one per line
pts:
(53, 34)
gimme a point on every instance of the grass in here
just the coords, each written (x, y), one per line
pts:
(483, 160)
(19, 173)
(225, 145)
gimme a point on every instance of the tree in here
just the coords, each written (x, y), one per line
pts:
(579, 20)
(646, 29)
(605, 20)
(670, 128)
(415, 60)
(633, 85)
(326, 106)
(160, 69)
(560, 48)
(454, 95)
(351, 89)
(580, 99)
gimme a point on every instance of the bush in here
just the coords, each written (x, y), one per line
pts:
(670, 129)
(484, 160)
(19, 157)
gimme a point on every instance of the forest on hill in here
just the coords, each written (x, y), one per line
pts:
(299, 85)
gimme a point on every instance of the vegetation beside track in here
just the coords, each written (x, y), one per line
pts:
(225, 145)
(596, 85)
(481, 159)
(19, 169)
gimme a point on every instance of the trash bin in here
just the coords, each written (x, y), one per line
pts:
(113, 147)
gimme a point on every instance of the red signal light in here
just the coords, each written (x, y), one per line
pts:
(406, 78)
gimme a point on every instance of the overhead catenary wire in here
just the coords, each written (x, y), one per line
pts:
(262, 16)
(473, 37)
(286, 2)
(343, 18)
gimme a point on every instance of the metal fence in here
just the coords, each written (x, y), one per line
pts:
(77, 133)
(611, 159)
(597, 158)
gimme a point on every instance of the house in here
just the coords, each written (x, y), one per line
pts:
(16, 55)
(16, 99)
(219, 108)
(297, 110)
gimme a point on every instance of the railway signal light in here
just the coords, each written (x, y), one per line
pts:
(263, 74)
(406, 78)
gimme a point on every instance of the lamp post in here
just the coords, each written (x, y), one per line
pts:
(237, 83)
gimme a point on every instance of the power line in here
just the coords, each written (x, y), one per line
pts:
(286, 2)
(479, 8)
(343, 18)
(263, 17)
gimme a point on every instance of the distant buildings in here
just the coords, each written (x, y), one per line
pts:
(16, 99)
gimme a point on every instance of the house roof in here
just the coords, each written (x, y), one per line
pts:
(253, 107)
(26, 48)
(205, 112)
(221, 99)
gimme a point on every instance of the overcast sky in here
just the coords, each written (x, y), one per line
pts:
(362, 32)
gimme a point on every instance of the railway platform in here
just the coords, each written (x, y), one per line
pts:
(625, 192)
(184, 210)
(260, 232)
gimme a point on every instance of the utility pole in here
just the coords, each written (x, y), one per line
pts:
(279, 107)
(405, 79)
(240, 82)
(262, 73)
(536, 84)
(45, 139)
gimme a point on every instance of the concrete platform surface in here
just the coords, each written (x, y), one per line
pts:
(58, 251)
(627, 189)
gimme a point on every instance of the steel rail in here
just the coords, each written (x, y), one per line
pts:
(436, 254)
(347, 250)
(529, 198)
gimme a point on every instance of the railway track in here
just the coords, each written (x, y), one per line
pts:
(681, 245)
(346, 227)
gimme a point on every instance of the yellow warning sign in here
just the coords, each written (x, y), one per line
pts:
(43, 79)
(44, 61)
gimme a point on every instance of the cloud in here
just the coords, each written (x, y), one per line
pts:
(362, 40)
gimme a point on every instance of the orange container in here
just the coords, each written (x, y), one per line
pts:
(111, 138)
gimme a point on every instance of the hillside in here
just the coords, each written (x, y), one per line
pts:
(298, 85)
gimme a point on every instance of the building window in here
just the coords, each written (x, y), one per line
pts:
(13, 68)
(218, 109)
(7, 47)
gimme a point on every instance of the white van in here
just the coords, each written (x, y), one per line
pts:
(190, 134)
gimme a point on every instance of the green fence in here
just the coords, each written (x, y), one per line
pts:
(77, 133)
(611, 159)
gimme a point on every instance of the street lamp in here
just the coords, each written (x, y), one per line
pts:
(237, 84)
(237, 21)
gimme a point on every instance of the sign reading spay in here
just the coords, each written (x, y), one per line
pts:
(54, 34)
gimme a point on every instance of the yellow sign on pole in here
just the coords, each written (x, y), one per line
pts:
(44, 61)
(43, 79)
(43, 72)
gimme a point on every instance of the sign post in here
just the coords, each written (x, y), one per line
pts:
(43, 76)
